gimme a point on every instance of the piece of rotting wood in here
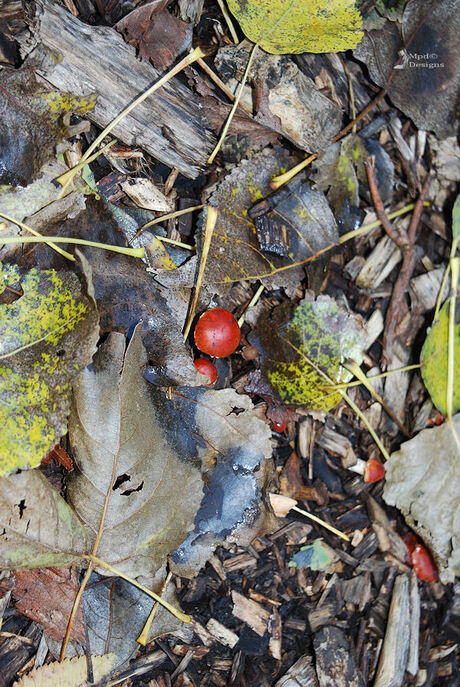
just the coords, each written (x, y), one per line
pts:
(95, 59)
(335, 663)
(301, 674)
(395, 650)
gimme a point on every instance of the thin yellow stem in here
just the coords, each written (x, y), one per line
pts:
(144, 635)
(282, 179)
(102, 564)
(64, 253)
(381, 375)
(185, 62)
(132, 252)
(228, 20)
(211, 219)
(321, 522)
(169, 215)
(373, 225)
(74, 610)
(172, 242)
(251, 304)
(455, 269)
(234, 106)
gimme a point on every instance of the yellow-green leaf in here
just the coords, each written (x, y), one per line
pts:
(46, 337)
(302, 352)
(72, 672)
(434, 357)
(295, 26)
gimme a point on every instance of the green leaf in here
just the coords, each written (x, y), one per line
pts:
(434, 357)
(318, 331)
(295, 26)
(46, 337)
(316, 556)
(456, 220)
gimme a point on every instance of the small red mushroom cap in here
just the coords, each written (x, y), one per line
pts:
(217, 333)
(279, 426)
(420, 559)
(374, 470)
(206, 367)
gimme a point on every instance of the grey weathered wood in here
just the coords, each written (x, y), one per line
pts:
(393, 659)
(335, 664)
(169, 125)
(412, 659)
(301, 674)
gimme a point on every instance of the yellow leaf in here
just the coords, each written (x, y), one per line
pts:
(295, 26)
(70, 673)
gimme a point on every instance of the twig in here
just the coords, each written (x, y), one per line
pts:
(228, 20)
(405, 241)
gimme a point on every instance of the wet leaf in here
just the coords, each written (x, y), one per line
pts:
(422, 479)
(316, 556)
(299, 214)
(234, 446)
(295, 26)
(46, 337)
(423, 48)
(72, 672)
(30, 124)
(340, 171)
(319, 331)
(120, 424)
(126, 293)
(46, 596)
(39, 527)
(434, 360)
(159, 35)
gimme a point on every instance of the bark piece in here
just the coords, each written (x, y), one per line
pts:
(222, 633)
(169, 125)
(335, 664)
(393, 659)
(301, 674)
(251, 613)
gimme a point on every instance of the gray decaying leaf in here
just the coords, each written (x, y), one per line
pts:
(425, 83)
(233, 445)
(423, 481)
(39, 528)
(188, 473)
(122, 427)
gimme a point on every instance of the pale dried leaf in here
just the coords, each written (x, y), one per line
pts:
(72, 672)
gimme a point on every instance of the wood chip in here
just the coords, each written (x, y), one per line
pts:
(335, 664)
(222, 633)
(393, 659)
(251, 613)
(301, 674)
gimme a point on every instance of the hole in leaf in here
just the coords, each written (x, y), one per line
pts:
(22, 506)
(236, 411)
(130, 491)
(121, 479)
(60, 353)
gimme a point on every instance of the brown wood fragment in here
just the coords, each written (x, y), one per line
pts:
(251, 613)
(335, 664)
(239, 562)
(412, 659)
(222, 633)
(321, 616)
(95, 59)
(393, 659)
(275, 628)
(337, 444)
(301, 674)
(357, 590)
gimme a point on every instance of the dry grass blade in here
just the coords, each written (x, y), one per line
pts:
(62, 252)
(211, 219)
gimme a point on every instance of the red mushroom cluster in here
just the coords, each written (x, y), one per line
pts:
(217, 334)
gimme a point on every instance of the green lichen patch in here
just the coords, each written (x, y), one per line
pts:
(46, 337)
(298, 348)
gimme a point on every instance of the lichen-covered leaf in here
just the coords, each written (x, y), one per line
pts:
(422, 479)
(316, 556)
(320, 331)
(46, 337)
(295, 26)
(30, 124)
(39, 527)
(301, 215)
(72, 672)
(434, 360)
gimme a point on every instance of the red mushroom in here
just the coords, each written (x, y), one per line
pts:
(372, 470)
(206, 367)
(217, 333)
